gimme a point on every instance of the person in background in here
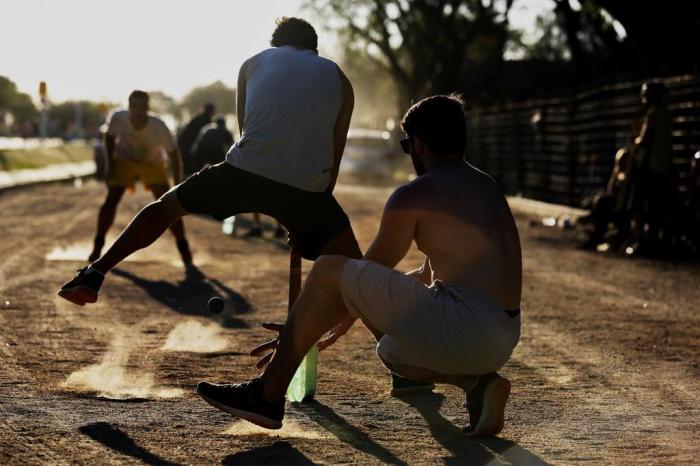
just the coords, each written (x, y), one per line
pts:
(188, 136)
(134, 144)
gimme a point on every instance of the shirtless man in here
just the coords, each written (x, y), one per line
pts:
(455, 320)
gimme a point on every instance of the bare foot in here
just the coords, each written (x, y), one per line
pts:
(495, 398)
(475, 400)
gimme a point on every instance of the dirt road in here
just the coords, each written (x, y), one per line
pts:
(606, 371)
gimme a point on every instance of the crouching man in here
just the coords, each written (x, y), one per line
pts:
(455, 320)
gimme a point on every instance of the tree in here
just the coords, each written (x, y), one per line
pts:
(218, 93)
(16, 105)
(638, 37)
(427, 46)
(163, 104)
(665, 35)
(65, 116)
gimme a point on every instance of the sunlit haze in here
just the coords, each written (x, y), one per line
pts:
(101, 50)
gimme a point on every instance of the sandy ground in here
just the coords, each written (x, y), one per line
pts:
(606, 371)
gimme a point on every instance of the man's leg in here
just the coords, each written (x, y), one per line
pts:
(105, 219)
(344, 244)
(177, 228)
(487, 395)
(318, 309)
(148, 225)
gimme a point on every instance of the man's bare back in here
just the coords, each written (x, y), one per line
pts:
(465, 228)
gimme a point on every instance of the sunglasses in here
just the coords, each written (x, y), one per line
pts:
(406, 145)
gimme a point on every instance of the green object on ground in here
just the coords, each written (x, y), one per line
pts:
(303, 384)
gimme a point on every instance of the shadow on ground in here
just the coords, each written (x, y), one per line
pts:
(117, 440)
(478, 451)
(190, 296)
(346, 432)
(277, 453)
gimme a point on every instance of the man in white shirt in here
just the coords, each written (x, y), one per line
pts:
(294, 111)
(135, 144)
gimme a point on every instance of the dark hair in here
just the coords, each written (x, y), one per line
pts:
(439, 121)
(138, 95)
(295, 32)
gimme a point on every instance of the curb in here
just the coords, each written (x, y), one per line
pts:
(48, 174)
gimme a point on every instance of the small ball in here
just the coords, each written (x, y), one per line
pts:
(215, 305)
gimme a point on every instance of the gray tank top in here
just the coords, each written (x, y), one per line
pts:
(293, 98)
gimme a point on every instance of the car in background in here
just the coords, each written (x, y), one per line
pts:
(370, 153)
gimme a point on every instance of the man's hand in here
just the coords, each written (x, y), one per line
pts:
(337, 332)
(268, 348)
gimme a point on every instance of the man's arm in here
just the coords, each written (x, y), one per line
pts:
(240, 96)
(109, 147)
(397, 228)
(645, 132)
(342, 124)
(396, 232)
(176, 165)
(109, 142)
(424, 274)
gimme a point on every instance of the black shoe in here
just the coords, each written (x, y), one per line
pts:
(244, 400)
(84, 288)
(401, 386)
(183, 248)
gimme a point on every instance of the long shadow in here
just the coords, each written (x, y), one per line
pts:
(277, 453)
(476, 451)
(346, 432)
(119, 441)
(190, 296)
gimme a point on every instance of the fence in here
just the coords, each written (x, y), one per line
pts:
(561, 149)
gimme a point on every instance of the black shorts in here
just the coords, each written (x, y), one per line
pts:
(222, 190)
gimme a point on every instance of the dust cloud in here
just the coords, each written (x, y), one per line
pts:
(195, 337)
(290, 429)
(111, 380)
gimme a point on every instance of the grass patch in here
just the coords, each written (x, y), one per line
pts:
(38, 157)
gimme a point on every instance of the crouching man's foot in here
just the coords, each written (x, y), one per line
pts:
(401, 386)
(244, 400)
(486, 404)
(84, 288)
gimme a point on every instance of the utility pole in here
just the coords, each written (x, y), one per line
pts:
(44, 122)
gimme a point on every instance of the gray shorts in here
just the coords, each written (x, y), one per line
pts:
(445, 327)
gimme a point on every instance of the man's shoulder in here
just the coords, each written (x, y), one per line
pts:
(157, 121)
(411, 193)
(118, 115)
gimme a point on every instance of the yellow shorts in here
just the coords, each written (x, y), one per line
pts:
(124, 173)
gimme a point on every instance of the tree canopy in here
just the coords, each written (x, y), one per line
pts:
(426, 46)
(217, 93)
(14, 105)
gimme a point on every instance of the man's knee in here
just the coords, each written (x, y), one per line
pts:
(326, 271)
(170, 204)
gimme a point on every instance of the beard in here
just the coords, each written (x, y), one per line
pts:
(417, 165)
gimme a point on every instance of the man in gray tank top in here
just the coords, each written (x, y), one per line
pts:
(294, 111)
